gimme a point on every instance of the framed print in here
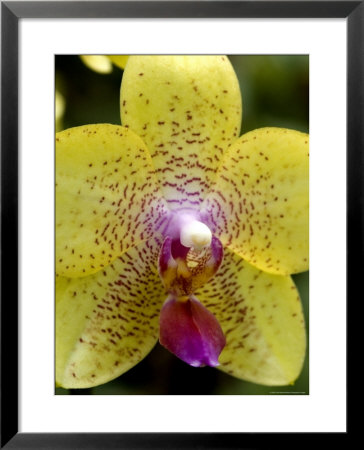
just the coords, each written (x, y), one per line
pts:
(181, 192)
(195, 235)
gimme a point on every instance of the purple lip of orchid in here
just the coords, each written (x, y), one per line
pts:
(191, 332)
(190, 255)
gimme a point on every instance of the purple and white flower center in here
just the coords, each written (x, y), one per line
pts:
(196, 235)
(189, 257)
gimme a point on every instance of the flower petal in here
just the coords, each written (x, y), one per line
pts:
(188, 110)
(107, 197)
(119, 60)
(261, 317)
(60, 106)
(98, 63)
(258, 205)
(107, 322)
(191, 332)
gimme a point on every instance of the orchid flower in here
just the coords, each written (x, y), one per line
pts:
(174, 227)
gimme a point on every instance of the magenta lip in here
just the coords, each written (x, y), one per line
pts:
(191, 332)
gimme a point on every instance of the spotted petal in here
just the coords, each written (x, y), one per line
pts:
(258, 205)
(107, 197)
(107, 322)
(188, 110)
(262, 319)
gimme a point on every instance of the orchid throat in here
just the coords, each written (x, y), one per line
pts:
(189, 257)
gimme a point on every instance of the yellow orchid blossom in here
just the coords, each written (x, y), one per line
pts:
(173, 226)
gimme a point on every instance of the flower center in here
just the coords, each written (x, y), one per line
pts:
(196, 235)
(189, 257)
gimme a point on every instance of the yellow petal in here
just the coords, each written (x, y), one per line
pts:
(107, 322)
(119, 60)
(107, 197)
(98, 63)
(188, 110)
(261, 316)
(259, 202)
(60, 106)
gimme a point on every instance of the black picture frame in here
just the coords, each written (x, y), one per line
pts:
(11, 13)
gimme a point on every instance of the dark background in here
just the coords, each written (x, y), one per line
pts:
(275, 91)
